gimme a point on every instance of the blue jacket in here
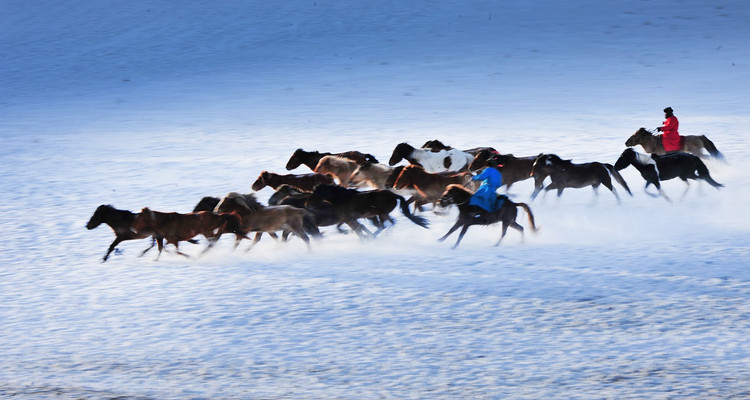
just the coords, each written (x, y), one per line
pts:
(486, 196)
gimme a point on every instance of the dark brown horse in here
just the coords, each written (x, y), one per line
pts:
(311, 158)
(469, 215)
(303, 181)
(655, 168)
(693, 144)
(436, 145)
(513, 169)
(566, 174)
(351, 205)
(174, 227)
(121, 222)
(256, 217)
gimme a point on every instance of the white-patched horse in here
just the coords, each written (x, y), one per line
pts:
(432, 161)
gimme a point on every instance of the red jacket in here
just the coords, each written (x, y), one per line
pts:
(670, 137)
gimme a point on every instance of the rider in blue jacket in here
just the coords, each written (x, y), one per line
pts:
(486, 196)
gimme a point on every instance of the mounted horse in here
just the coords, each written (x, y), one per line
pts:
(439, 161)
(175, 227)
(655, 168)
(693, 144)
(472, 215)
(566, 174)
(514, 169)
(311, 158)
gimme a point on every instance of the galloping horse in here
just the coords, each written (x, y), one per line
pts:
(121, 222)
(565, 173)
(351, 204)
(692, 144)
(429, 186)
(655, 168)
(436, 145)
(175, 227)
(311, 158)
(432, 161)
(302, 181)
(472, 215)
(259, 218)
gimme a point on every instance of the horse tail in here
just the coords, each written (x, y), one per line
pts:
(419, 220)
(710, 147)
(618, 177)
(530, 216)
(309, 225)
(703, 173)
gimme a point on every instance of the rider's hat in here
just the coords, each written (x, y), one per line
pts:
(668, 109)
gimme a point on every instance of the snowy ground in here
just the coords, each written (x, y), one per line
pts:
(157, 105)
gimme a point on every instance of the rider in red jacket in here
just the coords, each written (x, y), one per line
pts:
(670, 137)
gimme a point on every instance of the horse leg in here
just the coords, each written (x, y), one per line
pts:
(453, 228)
(503, 231)
(461, 235)
(112, 247)
(177, 250)
(255, 241)
(687, 187)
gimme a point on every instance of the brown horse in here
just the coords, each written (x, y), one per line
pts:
(351, 205)
(311, 158)
(693, 144)
(209, 203)
(566, 174)
(303, 181)
(121, 222)
(175, 227)
(469, 215)
(513, 169)
(429, 186)
(256, 217)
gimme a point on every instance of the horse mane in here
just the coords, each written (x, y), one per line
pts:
(246, 201)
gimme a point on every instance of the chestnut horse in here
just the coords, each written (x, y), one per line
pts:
(175, 227)
(469, 215)
(693, 144)
(311, 158)
(429, 186)
(566, 174)
(655, 168)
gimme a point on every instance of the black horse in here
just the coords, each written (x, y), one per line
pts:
(655, 168)
(121, 222)
(351, 205)
(472, 215)
(566, 174)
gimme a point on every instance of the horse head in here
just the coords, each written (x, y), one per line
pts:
(480, 160)
(403, 150)
(638, 137)
(295, 160)
(454, 194)
(260, 183)
(626, 158)
(99, 216)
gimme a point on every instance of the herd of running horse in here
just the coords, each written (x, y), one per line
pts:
(346, 188)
